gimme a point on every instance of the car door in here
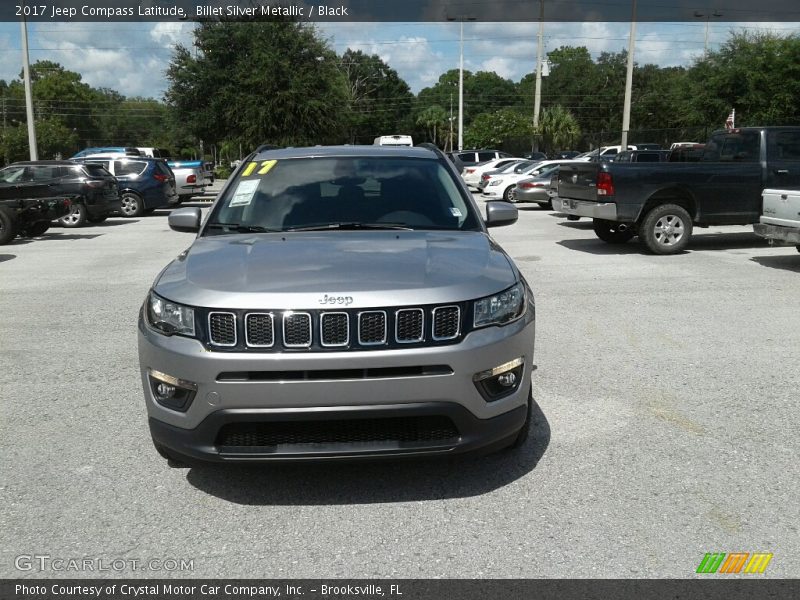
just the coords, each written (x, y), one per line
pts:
(783, 159)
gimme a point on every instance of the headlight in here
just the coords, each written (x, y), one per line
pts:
(168, 317)
(500, 308)
(495, 182)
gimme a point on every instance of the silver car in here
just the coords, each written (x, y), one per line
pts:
(535, 189)
(338, 302)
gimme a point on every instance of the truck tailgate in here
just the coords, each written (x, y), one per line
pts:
(781, 207)
(578, 181)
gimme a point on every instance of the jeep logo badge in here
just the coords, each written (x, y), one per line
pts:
(575, 178)
(340, 300)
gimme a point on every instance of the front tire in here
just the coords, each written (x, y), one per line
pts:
(508, 194)
(76, 217)
(8, 227)
(132, 205)
(612, 232)
(666, 229)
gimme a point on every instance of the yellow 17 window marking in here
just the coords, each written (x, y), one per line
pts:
(265, 167)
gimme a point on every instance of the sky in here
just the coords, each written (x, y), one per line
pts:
(131, 58)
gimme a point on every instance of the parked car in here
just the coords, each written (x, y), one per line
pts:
(393, 140)
(661, 203)
(647, 146)
(535, 189)
(501, 187)
(780, 220)
(632, 156)
(144, 184)
(190, 178)
(474, 157)
(107, 151)
(603, 153)
(567, 154)
(325, 312)
(539, 156)
(92, 189)
(472, 175)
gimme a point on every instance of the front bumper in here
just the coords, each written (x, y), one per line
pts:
(790, 235)
(219, 401)
(492, 192)
(593, 210)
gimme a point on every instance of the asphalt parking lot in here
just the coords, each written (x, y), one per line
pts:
(667, 426)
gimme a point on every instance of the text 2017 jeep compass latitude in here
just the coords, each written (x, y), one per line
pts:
(338, 302)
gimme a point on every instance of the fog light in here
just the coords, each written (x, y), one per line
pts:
(507, 379)
(500, 381)
(171, 392)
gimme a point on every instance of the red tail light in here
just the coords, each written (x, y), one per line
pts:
(191, 179)
(159, 177)
(485, 177)
(605, 184)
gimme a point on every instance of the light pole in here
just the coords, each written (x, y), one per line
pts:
(26, 74)
(461, 18)
(707, 16)
(626, 109)
(537, 96)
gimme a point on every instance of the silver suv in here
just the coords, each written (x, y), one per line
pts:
(338, 302)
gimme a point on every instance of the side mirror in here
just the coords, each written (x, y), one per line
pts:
(185, 220)
(499, 214)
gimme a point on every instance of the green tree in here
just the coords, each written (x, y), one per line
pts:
(494, 130)
(558, 129)
(758, 74)
(257, 82)
(434, 120)
(379, 99)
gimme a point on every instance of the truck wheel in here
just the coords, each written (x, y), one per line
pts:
(132, 205)
(573, 218)
(666, 229)
(35, 229)
(8, 227)
(547, 205)
(612, 232)
(76, 217)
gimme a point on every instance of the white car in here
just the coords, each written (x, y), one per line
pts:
(472, 175)
(605, 152)
(500, 186)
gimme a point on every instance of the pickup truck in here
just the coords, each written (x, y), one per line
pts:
(190, 178)
(781, 217)
(662, 202)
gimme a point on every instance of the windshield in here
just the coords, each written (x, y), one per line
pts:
(342, 193)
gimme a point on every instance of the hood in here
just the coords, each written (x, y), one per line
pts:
(304, 270)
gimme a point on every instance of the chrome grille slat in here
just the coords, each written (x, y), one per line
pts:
(222, 328)
(259, 331)
(297, 329)
(372, 328)
(409, 325)
(334, 329)
(446, 322)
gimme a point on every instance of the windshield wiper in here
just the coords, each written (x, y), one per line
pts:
(354, 225)
(239, 228)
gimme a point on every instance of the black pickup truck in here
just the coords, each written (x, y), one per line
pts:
(662, 202)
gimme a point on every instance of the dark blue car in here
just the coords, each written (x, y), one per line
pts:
(144, 184)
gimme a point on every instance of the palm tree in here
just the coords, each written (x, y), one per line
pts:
(558, 128)
(432, 118)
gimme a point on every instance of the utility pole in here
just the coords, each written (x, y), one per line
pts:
(626, 109)
(26, 74)
(707, 16)
(461, 18)
(450, 139)
(537, 97)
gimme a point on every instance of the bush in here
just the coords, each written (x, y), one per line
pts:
(222, 172)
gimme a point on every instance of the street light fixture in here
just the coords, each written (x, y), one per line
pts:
(461, 18)
(707, 16)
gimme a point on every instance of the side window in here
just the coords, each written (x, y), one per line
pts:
(610, 152)
(123, 168)
(44, 173)
(784, 145)
(649, 157)
(484, 156)
(467, 157)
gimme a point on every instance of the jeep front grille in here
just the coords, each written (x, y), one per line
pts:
(334, 329)
(321, 330)
(222, 328)
(296, 329)
(372, 328)
(409, 325)
(260, 330)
